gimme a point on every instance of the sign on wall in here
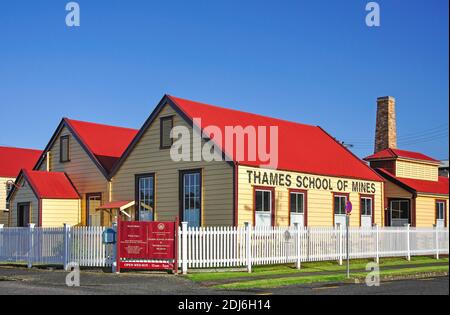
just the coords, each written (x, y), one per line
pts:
(148, 245)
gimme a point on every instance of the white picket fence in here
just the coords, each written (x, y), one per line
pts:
(55, 246)
(221, 247)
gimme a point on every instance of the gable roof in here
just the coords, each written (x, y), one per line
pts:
(397, 153)
(12, 160)
(440, 187)
(48, 185)
(302, 148)
(104, 144)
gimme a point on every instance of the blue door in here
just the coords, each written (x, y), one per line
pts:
(192, 197)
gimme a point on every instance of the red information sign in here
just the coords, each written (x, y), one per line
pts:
(148, 245)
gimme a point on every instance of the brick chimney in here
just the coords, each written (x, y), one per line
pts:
(386, 129)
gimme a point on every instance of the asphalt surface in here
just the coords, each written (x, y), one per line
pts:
(21, 281)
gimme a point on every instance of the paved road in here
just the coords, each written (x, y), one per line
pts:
(15, 281)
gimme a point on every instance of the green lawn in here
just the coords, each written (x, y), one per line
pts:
(309, 267)
(279, 282)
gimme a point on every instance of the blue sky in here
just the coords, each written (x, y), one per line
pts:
(314, 62)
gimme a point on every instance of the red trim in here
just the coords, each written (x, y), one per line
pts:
(177, 226)
(272, 190)
(40, 212)
(361, 196)
(445, 211)
(305, 206)
(413, 211)
(336, 194)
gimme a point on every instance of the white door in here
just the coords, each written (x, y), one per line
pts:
(297, 202)
(340, 216)
(440, 214)
(263, 208)
(366, 212)
(94, 215)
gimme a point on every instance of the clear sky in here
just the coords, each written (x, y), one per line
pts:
(314, 62)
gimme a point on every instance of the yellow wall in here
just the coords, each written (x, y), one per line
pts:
(4, 215)
(56, 212)
(320, 202)
(23, 195)
(81, 170)
(426, 210)
(415, 170)
(217, 190)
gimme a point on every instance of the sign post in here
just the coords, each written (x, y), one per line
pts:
(348, 211)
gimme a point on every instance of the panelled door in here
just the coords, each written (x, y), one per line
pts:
(94, 216)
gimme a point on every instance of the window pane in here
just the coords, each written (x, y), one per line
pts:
(259, 201)
(339, 204)
(267, 201)
(166, 128)
(293, 202)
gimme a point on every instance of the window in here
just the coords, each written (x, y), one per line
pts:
(9, 187)
(166, 127)
(400, 209)
(440, 210)
(366, 206)
(339, 204)
(297, 202)
(64, 149)
(145, 197)
(263, 201)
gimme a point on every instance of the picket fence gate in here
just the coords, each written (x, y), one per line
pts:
(55, 246)
(224, 247)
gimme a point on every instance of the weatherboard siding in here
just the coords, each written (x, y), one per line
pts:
(82, 171)
(319, 202)
(4, 215)
(59, 211)
(414, 170)
(23, 195)
(426, 210)
(147, 157)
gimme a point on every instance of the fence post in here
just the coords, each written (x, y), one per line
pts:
(248, 234)
(408, 242)
(297, 228)
(114, 249)
(377, 244)
(66, 238)
(184, 249)
(437, 240)
(341, 253)
(30, 244)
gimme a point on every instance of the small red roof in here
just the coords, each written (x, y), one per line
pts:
(51, 185)
(301, 148)
(116, 204)
(12, 160)
(106, 143)
(397, 153)
(440, 187)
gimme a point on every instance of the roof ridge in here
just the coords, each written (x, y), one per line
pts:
(19, 148)
(243, 112)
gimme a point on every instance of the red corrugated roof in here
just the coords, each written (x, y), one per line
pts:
(439, 187)
(51, 185)
(12, 160)
(302, 148)
(107, 143)
(115, 204)
(397, 153)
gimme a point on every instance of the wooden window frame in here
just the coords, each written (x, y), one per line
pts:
(161, 121)
(137, 177)
(61, 139)
(338, 194)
